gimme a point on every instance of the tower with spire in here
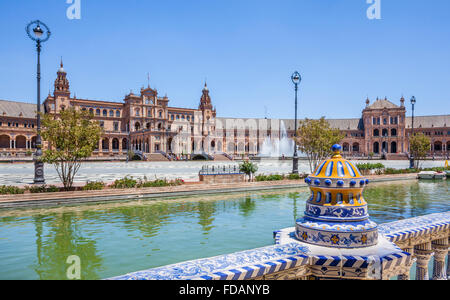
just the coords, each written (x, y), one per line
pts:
(208, 116)
(205, 100)
(61, 83)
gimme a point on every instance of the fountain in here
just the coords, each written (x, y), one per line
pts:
(277, 147)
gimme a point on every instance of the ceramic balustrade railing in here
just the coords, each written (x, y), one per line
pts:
(422, 237)
(416, 239)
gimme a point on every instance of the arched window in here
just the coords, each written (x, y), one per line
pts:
(385, 132)
(111, 113)
(137, 126)
(345, 147)
(105, 113)
(117, 113)
(393, 132)
(376, 132)
(376, 147)
(97, 112)
(393, 147)
(137, 112)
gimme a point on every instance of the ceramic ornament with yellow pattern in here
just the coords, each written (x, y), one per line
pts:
(336, 213)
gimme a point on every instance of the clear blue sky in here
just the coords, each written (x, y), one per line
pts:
(246, 49)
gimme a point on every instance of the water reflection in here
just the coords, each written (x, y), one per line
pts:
(63, 239)
(113, 239)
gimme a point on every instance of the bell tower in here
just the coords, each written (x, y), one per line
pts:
(205, 100)
(208, 112)
(61, 83)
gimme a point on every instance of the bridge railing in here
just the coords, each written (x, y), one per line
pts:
(220, 170)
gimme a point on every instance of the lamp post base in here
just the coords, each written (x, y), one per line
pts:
(411, 163)
(295, 164)
(39, 173)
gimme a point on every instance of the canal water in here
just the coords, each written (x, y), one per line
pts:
(117, 238)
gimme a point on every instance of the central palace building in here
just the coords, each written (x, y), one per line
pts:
(146, 124)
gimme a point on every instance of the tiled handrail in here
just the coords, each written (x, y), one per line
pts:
(296, 261)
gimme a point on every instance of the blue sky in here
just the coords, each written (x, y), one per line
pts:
(246, 50)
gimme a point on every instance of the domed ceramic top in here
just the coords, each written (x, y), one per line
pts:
(338, 177)
(337, 205)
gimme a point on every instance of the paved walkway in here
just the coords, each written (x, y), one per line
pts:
(106, 195)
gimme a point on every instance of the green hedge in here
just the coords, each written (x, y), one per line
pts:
(43, 189)
(276, 177)
(11, 190)
(94, 186)
(129, 182)
(369, 166)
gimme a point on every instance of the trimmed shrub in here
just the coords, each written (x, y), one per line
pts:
(94, 186)
(11, 190)
(159, 183)
(124, 183)
(43, 189)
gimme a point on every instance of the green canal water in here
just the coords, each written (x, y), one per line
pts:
(117, 238)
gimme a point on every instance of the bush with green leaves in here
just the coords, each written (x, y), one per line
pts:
(43, 189)
(294, 176)
(11, 190)
(159, 183)
(370, 166)
(124, 183)
(94, 186)
(272, 177)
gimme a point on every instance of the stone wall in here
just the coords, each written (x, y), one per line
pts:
(222, 178)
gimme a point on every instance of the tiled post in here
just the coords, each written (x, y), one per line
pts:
(406, 275)
(440, 248)
(423, 253)
(448, 262)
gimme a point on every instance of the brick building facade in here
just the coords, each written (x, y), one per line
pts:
(146, 123)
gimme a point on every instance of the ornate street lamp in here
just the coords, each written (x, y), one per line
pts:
(296, 79)
(411, 158)
(40, 36)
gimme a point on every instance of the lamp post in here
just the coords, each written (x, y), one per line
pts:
(411, 158)
(38, 35)
(296, 79)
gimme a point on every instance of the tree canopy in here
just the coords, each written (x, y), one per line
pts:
(315, 139)
(72, 137)
(419, 145)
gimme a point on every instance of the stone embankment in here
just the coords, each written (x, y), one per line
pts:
(193, 188)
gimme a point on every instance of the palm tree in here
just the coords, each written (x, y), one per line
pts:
(248, 168)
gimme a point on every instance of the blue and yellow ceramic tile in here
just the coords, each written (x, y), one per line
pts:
(336, 213)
